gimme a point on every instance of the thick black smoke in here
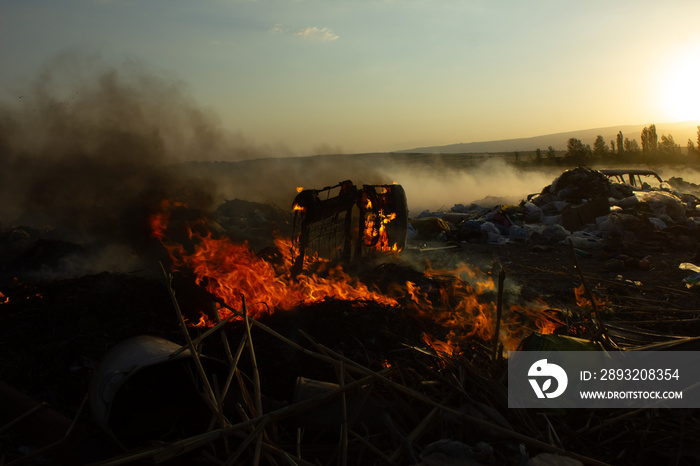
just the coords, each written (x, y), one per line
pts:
(93, 149)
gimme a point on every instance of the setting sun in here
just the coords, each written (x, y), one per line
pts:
(681, 92)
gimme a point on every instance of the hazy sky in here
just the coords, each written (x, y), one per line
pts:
(319, 76)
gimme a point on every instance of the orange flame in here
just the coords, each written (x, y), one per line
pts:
(461, 305)
(455, 299)
(440, 347)
(3, 299)
(377, 236)
(159, 221)
(582, 301)
(204, 321)
(231, 271)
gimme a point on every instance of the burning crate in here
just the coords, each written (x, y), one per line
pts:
(324, 226)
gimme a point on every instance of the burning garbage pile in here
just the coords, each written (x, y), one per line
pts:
(332, 346)
(297, 273)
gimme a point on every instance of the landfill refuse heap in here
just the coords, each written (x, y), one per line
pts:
(578, 185)
(581, 205)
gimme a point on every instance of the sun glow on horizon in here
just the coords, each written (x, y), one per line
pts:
(680, 95)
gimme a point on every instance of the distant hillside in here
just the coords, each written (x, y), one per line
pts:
(681, 132)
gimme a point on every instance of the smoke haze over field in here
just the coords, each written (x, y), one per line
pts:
(489, 183)
(92, 148)
(429, 182)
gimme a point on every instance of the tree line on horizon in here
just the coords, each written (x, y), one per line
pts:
(624, 150)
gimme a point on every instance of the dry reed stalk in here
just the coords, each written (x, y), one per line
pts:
(659, 321)
(415, 434)
(256, 381)
(253, 360)
(551, 430)
(655, 310)
(399, 437)
(209, 393)
(245, 394)
(366, 392)
(499, 310)
(233, 366)
(199, 339)
(284, 339)
(613, 282)
(344, 425)
(224, 338)
(254, 435)
(614, 438)
(646, 300)
(272, 449)
(221, 418)
(58, 442)
(380, 454)
(499, 429)
(171, 450)
(298, 444)
(639, 331)
(214, 402)
(322, 351)
(611, 421)
(213, 459)
(21, 417)
(221, 394)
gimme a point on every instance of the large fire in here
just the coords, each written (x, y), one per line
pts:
(233, 273)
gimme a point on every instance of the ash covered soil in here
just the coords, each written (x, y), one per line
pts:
(60, 313)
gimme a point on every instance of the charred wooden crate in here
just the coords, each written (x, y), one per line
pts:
(344, 222)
